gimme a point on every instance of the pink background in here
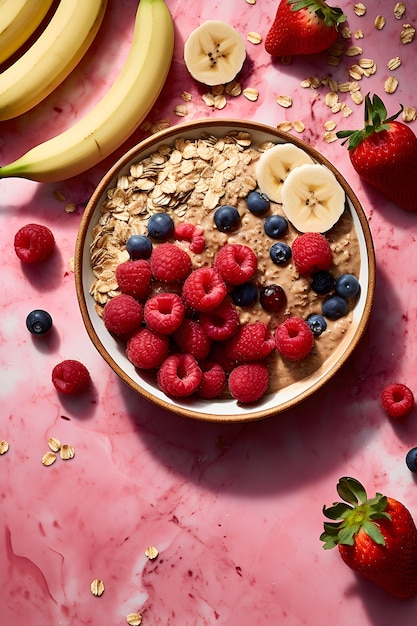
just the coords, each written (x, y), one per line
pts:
(234, 510)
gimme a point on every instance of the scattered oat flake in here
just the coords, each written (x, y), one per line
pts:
(332, 60)
(330, 136)
(331, 99)
(234, 88)
(399, 10)
(407, 34)
(284, 101)
(70, 207)
(220, 102)
(134, 619)
(357, 97)
(59, 195)
(299, 126)
(71, 263)
(409, 114)
(66, 452)
(356, 72)
(346, 32)
(285, 126)
(97, 587)
(359, 9)
(4, 446)
(251, 94)
(186, 96)
(379, 22)
(48, 459)
(181, 110)
(254, 38)
(391, 84)
(151, 552)
(394, 63)
(330, 125)
(353, 51)
(358, 34)
(54, 444)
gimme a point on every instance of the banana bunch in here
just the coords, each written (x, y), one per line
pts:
(56, 52)
(312, 198)
(18, 21)
(120, 111)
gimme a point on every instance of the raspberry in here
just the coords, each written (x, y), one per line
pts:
(146, 349)
(164, 313)
(204, 289)
(122, 314)
(191, 338)
(33, 243)
(70, 377)
(294, 339)
(179, 375)
(134, 278)
(397, 400)
(193, 234)
(218, 355)
(170, 263)
(213, 380)
(248, 382)
(251, 343)
(311, 252)
(221, 323)
(236, 263)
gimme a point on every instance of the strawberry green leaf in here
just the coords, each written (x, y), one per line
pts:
(374, 533)
(338, 511)
(350, 490)
(332, 16)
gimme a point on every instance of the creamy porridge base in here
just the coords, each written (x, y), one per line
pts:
(189, 181)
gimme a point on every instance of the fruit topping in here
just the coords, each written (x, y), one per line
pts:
(204, 289)
(334, 307)
(169, 263)
(272, 298)
(322, 282)
(311, 251)
(193, 339)
(160, 226)
(213, 380)
(275, 164)
(257, 203)
(227, 218)
(33, 243)
(122, 314)
(179, 375)
(248, 382)
(139, 247)
(164, 313)
(294, 339)
(214, 53)
(251, 342)
(134, 278)
(147, 349)
(275, 226)
(347, 286)
(317, 324)
(39, 322)
(397, 400)
(222, 322)
(244, 295)
(70, 377)
(193, 234)
(280, 253)
(236, 263)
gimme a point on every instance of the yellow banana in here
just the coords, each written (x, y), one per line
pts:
(52, 57)
(117, 115)
(18, 21)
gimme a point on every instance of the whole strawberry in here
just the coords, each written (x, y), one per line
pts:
(376, 537)
(384, 153)
(303, 27)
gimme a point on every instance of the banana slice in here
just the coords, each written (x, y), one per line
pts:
(275, 164)
(214, 53)
(312, 198)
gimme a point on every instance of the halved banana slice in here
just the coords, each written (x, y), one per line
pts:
(214, 53)
(312, 198)
(275, 164)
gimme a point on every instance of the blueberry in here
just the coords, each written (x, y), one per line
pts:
(226, 218)
(411, 460)
(317, 323)
(257, 203)
(245, 294)
(272, 298)
(335, 307)
(139, 247)
(160, 226)
(39, 322)
(275, 226)
(280, 253)
(347, 286)
(323, 282)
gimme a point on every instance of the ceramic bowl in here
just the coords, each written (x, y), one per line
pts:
(220, 410)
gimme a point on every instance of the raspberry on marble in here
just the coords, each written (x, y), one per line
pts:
(122, 314)
(179, 375)
(397, 400)
(251, 342)
(236, 263)
(33, 243)
(70, 377)
(248, 382)
(147, 349)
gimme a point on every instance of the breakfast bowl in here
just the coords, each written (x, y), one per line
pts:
(121, 205)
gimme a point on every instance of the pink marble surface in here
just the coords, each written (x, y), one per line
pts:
(234, 510)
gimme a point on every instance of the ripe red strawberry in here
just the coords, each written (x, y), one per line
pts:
(303, 27)
(376, 537)
(384, 154)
